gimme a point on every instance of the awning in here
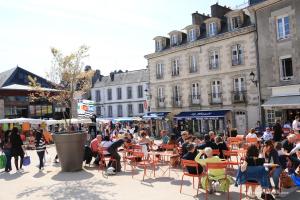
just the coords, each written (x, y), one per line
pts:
(284, 101)
(155, 115)
(202, 114)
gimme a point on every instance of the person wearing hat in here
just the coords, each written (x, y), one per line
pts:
(191, 155)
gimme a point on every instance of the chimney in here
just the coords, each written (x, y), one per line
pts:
(197, 18)
(112, 76)
(219, 11)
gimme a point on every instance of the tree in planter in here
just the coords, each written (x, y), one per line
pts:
(69, 78)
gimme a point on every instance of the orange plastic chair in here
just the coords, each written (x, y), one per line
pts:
(104, 158)
(233, 141)
(191, 163)
(232, 153)
(216, 152)
(168, 147)
(210, 166)
(144, 162)
(252, 140)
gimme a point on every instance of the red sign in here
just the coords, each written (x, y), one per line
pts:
(145, 105)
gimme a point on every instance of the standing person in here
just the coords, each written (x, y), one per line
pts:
(277, 131)
(176, 131)
(251, 134)
(258, 129)
(7, 150)
(296, 125)
(221, 145)
(16, 147)
(228, 128)
(40, 147)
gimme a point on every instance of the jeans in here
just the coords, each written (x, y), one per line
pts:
(41, 155)
(276, 175)
(7, 153)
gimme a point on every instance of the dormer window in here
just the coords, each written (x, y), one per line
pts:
(235, 22)
(192, 35)
(174, 40)
(212, 29)
(158, 45)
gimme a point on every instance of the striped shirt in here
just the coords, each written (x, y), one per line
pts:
(41, 146)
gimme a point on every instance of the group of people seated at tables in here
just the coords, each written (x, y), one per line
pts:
(282, 154)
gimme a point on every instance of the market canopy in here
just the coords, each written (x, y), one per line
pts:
(283, 101)
(156, 115)
(202, 114)
(21, 121)
(124, 119)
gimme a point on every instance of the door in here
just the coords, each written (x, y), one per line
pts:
(240, 121)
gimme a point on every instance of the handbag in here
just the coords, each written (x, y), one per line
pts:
(26, 160)
(2, 161)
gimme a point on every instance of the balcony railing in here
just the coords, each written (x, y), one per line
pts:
(239, 96)
(177, 102)
(195, 100)
(214, 65)
(159, 76)
(193, 69)
(160, 101)
(215, 98)
(175, 73)
(237, 61)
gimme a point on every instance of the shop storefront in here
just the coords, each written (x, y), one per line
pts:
(203, 121)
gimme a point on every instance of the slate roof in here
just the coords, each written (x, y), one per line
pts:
(4, 76)
(135, 76)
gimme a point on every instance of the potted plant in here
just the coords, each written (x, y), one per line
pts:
(70, 81)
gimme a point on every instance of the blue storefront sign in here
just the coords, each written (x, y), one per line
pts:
(201, 114)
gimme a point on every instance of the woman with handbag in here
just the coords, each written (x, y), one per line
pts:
(40, 147)
(16, 147)
(7, 150)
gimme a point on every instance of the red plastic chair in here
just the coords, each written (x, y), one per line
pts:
(216, 152)
(212, 166)
(191, 163)
(141, 161)
(104, 158)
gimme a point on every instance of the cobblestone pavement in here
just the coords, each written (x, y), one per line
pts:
(93, 185)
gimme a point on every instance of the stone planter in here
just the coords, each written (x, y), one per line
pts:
(70, 150)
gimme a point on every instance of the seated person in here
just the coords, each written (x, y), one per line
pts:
(94, 147)
(212, 135)
(217, 175)
(207, 143)
(164, 136)
(271, 155)
(268, 135)
(221, 145)
(252, 159)
(181, 139)
(105, 144)
(191, 155)
(251, 134)
(188, 140)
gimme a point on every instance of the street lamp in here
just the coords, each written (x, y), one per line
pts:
(252, 78)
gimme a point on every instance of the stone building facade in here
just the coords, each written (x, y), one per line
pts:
(201, 74)
(278, 32)
(121, 94)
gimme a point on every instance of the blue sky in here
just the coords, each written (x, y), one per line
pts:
(118, 32)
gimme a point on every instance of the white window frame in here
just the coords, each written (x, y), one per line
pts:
(109, 94)
(214, 63)
(160, 94)
(140, 105)
(216, 91)
(193, 63)
(129, 113)
(129, 96)
(120, 110)
(282, 77)
(140, 92)
(233, 22)
(284, 35)
(238, 58)
(109, 111)
(158, 45)
(212, 27)
(119, 97)
(192, 33)
(98, 96)
(195, 91)
(174, 39)
(176, 94)
(175, 67)
(240, 85)
(159, 70)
